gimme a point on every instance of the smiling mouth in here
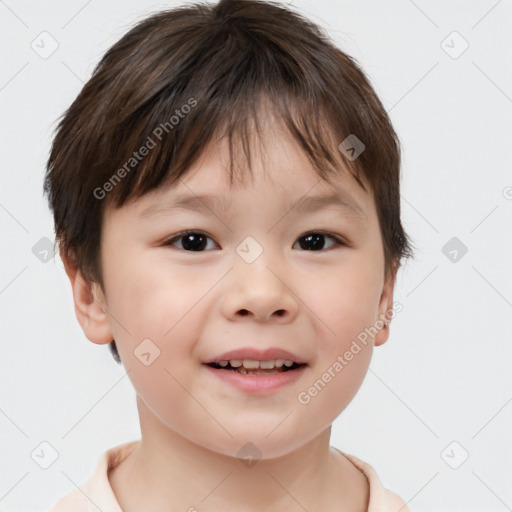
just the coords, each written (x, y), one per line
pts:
(240, 367)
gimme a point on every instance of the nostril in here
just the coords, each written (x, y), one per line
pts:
(279, 312)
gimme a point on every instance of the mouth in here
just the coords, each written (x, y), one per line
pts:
(253, 367)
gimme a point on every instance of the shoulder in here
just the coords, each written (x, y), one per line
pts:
(75, 501)
(381, 499)
(97, 491)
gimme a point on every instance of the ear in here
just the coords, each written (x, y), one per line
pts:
(385, 306)
(90, 304)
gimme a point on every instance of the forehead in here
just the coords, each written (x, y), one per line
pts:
(280, 173)
(307, 203)
(269, 164)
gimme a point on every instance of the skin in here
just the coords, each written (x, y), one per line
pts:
(192, 423)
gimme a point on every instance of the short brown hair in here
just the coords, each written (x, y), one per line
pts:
(199, 72)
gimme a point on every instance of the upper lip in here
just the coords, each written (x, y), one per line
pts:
(256, 354)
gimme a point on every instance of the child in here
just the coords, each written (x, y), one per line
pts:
(243, 335)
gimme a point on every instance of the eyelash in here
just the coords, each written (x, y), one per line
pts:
(339, 241)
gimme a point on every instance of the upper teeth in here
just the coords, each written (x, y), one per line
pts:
(252, 364)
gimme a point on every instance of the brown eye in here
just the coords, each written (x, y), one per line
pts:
(197, 241)
(191, 241)
(315, 241)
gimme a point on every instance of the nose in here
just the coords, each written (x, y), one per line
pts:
(257, 292)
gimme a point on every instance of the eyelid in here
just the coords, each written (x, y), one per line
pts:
(329, 234)
(181, 234)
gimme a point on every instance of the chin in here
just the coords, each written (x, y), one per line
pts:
(247, 447)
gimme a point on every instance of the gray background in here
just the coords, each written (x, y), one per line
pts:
(439, 390)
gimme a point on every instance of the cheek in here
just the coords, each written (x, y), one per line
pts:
(164, 326)
(164, 391)
(344, 302)
(334, 383)
(154, 301)
(345, 305)
(167, 305)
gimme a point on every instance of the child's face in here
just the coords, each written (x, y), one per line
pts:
(197, 305)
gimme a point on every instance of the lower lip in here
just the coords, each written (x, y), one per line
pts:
(258, 383)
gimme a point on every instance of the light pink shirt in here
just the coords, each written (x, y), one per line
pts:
(97, 494)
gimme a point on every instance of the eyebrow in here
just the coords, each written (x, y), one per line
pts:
(338, 200)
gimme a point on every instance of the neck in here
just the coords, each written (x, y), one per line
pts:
(167, 472)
